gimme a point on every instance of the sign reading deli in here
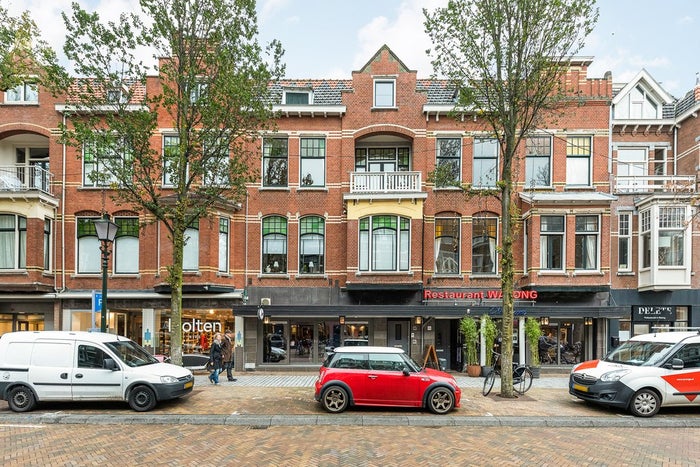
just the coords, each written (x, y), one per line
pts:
(491, 294)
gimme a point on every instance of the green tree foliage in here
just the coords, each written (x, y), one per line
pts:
(506, 60)
(470, 331)
(212, 95)
(22, 52)
(533, 331)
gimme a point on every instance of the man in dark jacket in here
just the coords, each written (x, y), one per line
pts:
(227, 354)
(215, 355)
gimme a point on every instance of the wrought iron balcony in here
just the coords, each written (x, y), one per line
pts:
(23, 178)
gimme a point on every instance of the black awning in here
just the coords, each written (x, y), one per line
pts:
(367, 287)
(195, 288)
(572, 289)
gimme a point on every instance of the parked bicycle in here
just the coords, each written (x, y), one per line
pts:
(522, 376)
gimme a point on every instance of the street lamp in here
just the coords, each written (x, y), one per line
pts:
(106, 231)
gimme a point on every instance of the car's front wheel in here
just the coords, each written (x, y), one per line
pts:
(142, 399)
(645, 403)
(441, 400)
(335, 399)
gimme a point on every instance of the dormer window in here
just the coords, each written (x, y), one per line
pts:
(297, 97)
(117, 95)
(385, 93)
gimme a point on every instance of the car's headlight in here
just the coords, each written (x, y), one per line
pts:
(613, 375)
(168, 379)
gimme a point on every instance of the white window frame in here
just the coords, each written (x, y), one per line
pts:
(624, 241)
(575, 154)
(275, 237)
(309, 94)
(27, 92)
(13, 242)
(307, 238)
(126, 246)
(380, 97)
(87, 256)
(190, 252)
(224, 244)
(370, 241)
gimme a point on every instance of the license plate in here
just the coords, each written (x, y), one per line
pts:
(580, 387)
(189, 384)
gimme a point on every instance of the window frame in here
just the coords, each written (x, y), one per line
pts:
(379, 97)
(306, 156)
(575, 151)
(87, 256)
(483, 155)
(275, 151)
(168, 158)
(376, 228)
(450, 262)
(624, 241)
(582, 239)
(22, 90)
(535, 155)
(547, 237)
(297, 92)
(493, 243)
(671, 220)
(96, 152)
(454, 157)
(224, 244)
(274, 228)
(129, 229)
(17, 235)
(312, 233)
(190, 251)
(48, 237)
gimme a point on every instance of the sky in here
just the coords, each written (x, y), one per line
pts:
(331, 38)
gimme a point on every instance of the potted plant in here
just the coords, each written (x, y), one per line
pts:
(471, 340)
(532, 335)
(488, 328)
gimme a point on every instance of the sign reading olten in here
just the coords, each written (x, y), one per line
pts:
(656, 313)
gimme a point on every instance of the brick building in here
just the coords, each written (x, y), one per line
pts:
(346, 236)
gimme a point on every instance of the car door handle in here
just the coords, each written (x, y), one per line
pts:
(64, 375)
(78, 375)
(372, 376)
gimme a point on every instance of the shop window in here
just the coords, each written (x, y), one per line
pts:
(447, 244)
(384, 243)
(275, 160)
(126, 245)
(13, 241)
(311, 245)
(313, 162)
(274, 245)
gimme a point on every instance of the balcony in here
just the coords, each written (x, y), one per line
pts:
(23, 178)
(385, 182)
(655, 184)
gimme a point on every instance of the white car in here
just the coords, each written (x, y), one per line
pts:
(642, 375)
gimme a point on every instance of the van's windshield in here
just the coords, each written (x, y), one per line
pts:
(131, 353)
(639, 353)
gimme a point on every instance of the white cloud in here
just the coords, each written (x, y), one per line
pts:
(269, 8)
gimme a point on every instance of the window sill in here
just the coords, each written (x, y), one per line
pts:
(583, 272)
(384, 273)
(274, 188)
(447, 188)
(381, 109)
(273, 276)
(7, 272)
(127, 275)
(312, 188)
(223, 274)
(191, 273)
(447, 276)
(484, 276)
(579, 188)
(626, 273)
(310, 276)
(552, 273)
(20, 103)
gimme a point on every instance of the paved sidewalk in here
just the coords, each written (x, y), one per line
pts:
(277, 399)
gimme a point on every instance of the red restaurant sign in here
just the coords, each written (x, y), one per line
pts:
(493, 294)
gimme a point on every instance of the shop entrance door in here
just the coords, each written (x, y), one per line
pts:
(398, 334)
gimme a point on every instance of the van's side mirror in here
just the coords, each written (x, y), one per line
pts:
(110, 364)
(677, 364)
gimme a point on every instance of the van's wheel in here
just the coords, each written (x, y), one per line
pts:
(142, 399)
(441, 401)
(335, 399)
(645, 403)
(21, 399)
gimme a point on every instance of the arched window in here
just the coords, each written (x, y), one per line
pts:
(13, 241)
(484, 240)
(385, 243)
(126, 246)
(274, 245)
(447, 245)
(311, 245)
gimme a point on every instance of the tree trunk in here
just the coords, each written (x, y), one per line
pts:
(175, 281)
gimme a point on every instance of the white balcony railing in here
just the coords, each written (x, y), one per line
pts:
(17, 178)
(385, 182)
(655, 184)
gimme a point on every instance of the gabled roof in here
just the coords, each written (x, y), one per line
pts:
(645, 79)
(402, 67)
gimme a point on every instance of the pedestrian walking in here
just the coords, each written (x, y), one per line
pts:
(227, 354)
(215, 355)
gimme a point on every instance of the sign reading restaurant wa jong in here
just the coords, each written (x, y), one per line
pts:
(489, 294)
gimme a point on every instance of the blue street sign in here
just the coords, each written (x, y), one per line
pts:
(96, 301)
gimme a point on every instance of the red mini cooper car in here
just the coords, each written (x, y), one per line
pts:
(382, 376)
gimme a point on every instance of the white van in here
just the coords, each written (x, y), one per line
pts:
(642, 375)
(37, 366)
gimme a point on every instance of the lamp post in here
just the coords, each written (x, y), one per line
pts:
(106, 231)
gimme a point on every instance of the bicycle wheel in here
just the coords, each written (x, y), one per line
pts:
(522, 383)
(488, 382)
